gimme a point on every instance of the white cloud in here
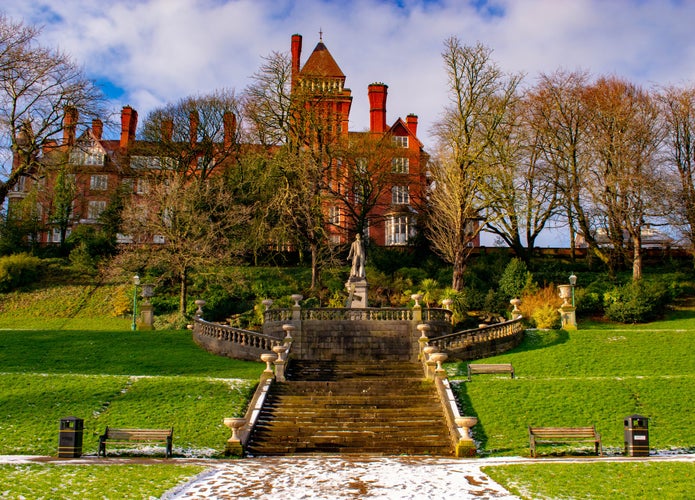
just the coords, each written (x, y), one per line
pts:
(159, 51)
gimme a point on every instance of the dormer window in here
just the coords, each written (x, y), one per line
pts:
(400, 141)
(91, 157)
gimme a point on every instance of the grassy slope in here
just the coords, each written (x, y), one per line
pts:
(590, 376)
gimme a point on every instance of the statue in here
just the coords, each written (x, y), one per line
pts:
(357, 256)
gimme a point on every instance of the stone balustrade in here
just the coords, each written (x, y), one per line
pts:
(365, 314)
(233, 342)
(481, 342)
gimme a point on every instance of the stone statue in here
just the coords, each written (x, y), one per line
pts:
(357, 256)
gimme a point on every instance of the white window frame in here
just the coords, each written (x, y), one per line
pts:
(99, 182)
(400, 141)
(95, 208)
(91, 157)
(400, 165)
(400, 195)
(334, 215)
(399, 229)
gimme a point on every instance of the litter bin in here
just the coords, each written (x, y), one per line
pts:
(70, 442)
(636, 436)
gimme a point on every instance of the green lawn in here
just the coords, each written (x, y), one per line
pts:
(591, 376)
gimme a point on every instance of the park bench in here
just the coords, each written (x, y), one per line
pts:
(482, 368)
(564, 435)
(129, 436)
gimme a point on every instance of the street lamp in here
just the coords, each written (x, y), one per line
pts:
(136, 282)
(573, 282)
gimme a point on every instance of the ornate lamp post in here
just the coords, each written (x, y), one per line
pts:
(136, 282)
(573, 282)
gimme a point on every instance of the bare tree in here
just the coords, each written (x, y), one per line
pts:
(479, 95)
(624, 128)
(193, 224)
(199, 132)
(678, 115)
(37, 84)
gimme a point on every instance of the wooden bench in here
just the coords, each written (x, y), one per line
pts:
(564, 435)
(128, 436)
(482, 368)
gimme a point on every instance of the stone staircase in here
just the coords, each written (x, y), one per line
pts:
(351, 408)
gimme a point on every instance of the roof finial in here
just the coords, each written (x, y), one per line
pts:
(320, 35)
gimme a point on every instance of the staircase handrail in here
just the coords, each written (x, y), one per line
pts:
(464, 338)
(235, 335)
(359, 314)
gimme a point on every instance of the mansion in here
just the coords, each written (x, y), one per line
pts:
(98, 167)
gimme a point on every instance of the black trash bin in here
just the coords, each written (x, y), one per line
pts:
(637, 436)
(70, 442)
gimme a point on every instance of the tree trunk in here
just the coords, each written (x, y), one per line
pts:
(459, 269)
(637, 257)
(183, 294)
(314, 266)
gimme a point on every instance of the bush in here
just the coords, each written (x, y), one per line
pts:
(546, 316)
(515, 280)
(18, 270)
(637, 302)
(537, 306)
(589, 300)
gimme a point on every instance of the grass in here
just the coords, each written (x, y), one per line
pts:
(92, 482)
(590, 376)
(663, 480)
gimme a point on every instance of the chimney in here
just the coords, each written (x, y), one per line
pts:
(69, 125)
(411, 120)
(129, 122)
(377, 107)
(194, 118)
(296, 54)
(229, 120)
(97, 128)
(167, 129)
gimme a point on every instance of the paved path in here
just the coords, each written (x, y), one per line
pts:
(338, 478)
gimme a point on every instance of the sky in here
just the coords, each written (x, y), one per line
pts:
(148, 53)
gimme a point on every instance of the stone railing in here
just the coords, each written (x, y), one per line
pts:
(355, 314)
(481, 342)
(233, 342)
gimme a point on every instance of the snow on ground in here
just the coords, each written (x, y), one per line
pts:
(400, 478)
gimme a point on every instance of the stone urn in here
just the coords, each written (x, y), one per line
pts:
(268, 358)
(439, 358)
(288, 332)
(515, 302)
(235, 424)
(466, 423)
(429, 350)
(416, 297)
(267, 303)
(424, 330)
(296, 297)
(199, 303)
(279, 350)
(565, 294)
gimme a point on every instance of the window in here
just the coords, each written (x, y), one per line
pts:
(94, 209)
(399, 229)
(91, 156)
(400, 165)
(99, 182)
(152, 163)
(334, 215)
(142, 186)
(400, 141)
(400, 195)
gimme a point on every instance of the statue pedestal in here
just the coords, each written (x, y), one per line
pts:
(357, 293)
(146, 317)
(568, 317)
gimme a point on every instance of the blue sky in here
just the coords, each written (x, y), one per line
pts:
(147, 53)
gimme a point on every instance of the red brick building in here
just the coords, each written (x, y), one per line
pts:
(99, 167)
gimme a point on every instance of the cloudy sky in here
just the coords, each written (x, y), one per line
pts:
(150, 52)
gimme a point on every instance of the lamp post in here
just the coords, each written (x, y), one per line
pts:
(136, 282)
(573, 282)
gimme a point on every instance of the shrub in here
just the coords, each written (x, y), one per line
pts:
(546, 316)
(636, 302)
(537, 305)
(589, 300)
(515, 280)
(18, 270)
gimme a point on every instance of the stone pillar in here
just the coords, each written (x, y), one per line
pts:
(146, 317)
(233, 446)
(466, 446)
(568, 317)
(357, 293)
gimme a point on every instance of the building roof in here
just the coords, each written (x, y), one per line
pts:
(321, 64)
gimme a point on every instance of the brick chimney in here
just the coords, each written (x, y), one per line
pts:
(194, 118)
(296, 54)
(377, 107)
(70, 125)
(229, 121)
(97, 128)
(167, 129)
(129, 122)
(411, 120)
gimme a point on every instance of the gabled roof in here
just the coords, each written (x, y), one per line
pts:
(321, 64)
(400, 124)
